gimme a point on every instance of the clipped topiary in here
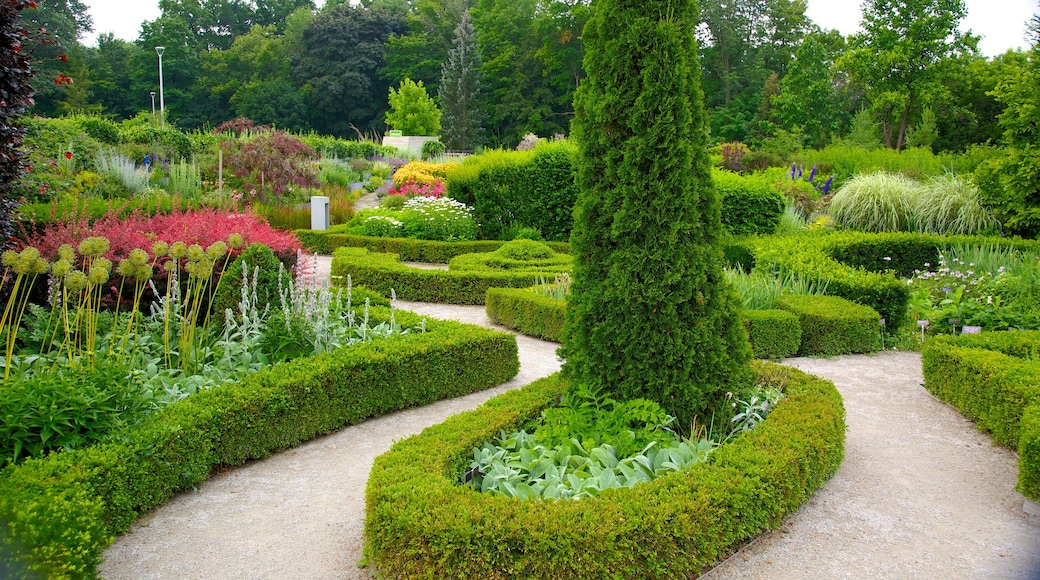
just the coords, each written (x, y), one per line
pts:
(774, 334)
(229, 290)
(650, 314)
(515, 256)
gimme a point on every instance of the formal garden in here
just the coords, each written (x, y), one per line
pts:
(161, 320)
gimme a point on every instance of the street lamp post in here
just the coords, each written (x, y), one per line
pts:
(162, 103)
(153, 104)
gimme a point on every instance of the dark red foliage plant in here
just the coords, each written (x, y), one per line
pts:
(271, 164)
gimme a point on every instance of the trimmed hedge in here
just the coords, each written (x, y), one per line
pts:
(514, 256)
(774, 334)
(384, 272)
(832, 325)
(67, 507)
(422, 523)
(750, 204)
(526, 311)
(535, 189)
(993, 378)
(862, 267)
(407, 249)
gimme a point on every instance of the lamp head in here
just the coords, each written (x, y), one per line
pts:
(159, 50)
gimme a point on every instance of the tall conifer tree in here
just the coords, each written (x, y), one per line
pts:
(650, 314)
(460, 92)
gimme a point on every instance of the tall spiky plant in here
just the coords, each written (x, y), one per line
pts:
(650, 314)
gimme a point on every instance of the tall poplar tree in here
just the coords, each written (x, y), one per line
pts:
(650, 314)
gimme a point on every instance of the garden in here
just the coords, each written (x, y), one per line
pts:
(159, 324)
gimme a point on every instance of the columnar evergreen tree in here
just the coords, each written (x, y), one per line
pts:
(650, 314)
(460, 93)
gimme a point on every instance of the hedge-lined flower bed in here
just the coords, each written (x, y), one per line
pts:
(993, 378)
(858, 266)
(408, 250)
(383, 272)
(422, 522)
(67, 507)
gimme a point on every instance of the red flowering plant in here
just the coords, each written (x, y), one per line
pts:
(412, 189)
(204, 227)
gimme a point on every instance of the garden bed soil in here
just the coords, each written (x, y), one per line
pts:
(921, 494)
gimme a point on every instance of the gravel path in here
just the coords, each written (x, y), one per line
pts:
(921, 493)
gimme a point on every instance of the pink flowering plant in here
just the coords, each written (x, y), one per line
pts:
(411, 189)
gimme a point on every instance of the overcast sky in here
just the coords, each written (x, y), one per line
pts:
(1001, 23)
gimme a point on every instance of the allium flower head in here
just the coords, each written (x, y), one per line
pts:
(29, 254)
(138, 257)
(160, 249)
(61, 268)
(169, 266)
(102, 264)
(97, 276)
(125, 268)
(40, 267)
(65, 252)
(76, 281)
(93, 246)
(178, 250)
(216, 250)
(8, 258)
(142, 272)
(235, 241)
(195, 252)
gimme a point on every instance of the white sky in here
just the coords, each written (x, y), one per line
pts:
(1001, 23)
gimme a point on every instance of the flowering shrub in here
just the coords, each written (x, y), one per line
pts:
(272, 164)
(422, 172)
(423, 218)
(410, 190)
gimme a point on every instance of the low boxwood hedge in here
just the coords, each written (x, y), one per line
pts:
(422, 523)
(383, 272)
(408, 250)
(66, 508)
(526, 311)
(993, 378)
(832, 325)
(858, 266)
(774, 334)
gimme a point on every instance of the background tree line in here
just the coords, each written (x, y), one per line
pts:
(771, 76)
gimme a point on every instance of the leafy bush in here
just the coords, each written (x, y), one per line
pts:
(774, 334)
(433, 149)
(270, 164)
(832, 325)
(845, 161)
(752, 204)
(270, 275)
(949, 204)
(534, 188)
(421, 522)
(336, 148)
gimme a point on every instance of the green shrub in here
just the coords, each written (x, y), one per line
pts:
(993, 378)
(104, 130)
(433, 149)
(752, 204)
(534, 188)
(844, 161)
(421, 522)
(774, 334)
(526, 312)
(408, 250)
(383, 272)
(336, 148)
(65, 508)
(260, 262)
(832, 325)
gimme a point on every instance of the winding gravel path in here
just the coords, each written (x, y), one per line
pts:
(921, 493)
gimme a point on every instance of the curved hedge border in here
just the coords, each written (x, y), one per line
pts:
(407, 249)
(383, 272)
(861, 267)
(993, 378)
(526, 311)
(421, 523)
(67, 507)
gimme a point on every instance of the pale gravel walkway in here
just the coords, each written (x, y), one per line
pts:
(921, 494)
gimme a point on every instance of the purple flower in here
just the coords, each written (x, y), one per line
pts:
(794, 170)
(827, 186)
(812, 174)
(799, 171)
